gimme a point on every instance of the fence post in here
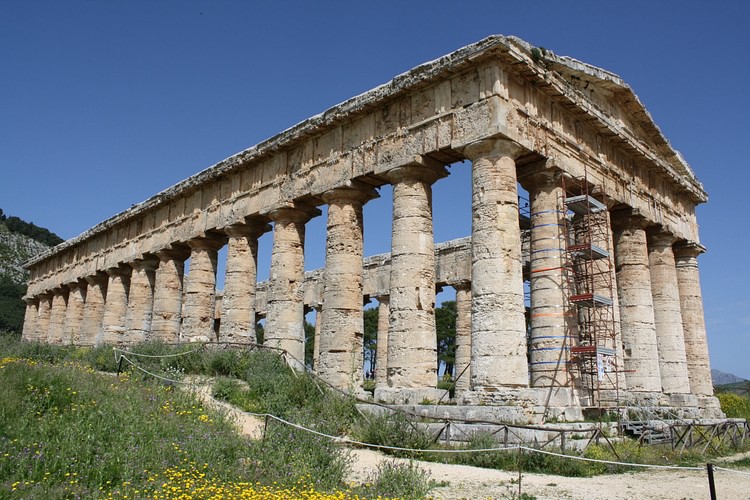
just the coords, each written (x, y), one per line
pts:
(711, 485)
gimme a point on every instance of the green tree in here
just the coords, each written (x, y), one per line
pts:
(371, 338)
(12, 308)
(309, 343)
(445, 325)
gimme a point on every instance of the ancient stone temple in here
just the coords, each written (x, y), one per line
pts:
(605, 247)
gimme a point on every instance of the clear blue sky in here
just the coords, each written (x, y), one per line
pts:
(103, 104)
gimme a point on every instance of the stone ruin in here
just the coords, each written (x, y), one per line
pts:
(607, 250)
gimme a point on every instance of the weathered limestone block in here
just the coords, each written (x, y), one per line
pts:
(381, 348)
(412, 343)
(57, 315)
(285, 316)
(693, 321)
(93, 309)
(141, 300)
(641, 358)
(238, 302)
(74, 314)
(30, 319)
(498, 324)
(200, 287)
(667, 314)
(115, 307)
(342, 328)
(553, 328)
(463, 337)
(168, 283)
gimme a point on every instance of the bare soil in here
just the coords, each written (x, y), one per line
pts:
(463, 481)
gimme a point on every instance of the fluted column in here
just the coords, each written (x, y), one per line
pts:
(463, 337)
(342, 327)
(30, 319)
(412, 341)
(141, 300)
(285, 315)
(316, 341)
(57, 315)
(498, 323)
(693, 321)
(238, 303)
(551, 316)
(667, 314)
(381, 347)
(45, 311)
(641, 357)
(168, 283)
(115, 306)
(200, 290)
(93, 308)
(74, 314)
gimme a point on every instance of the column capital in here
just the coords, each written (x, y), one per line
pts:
(96, 279)
(144, 264)
(250, 229)
(205, 243)
(423, 172)
(120, 270)
(353, 192)
(495, 147)
(294, 212)
(30, 300)
(541, 173)
(461, 285)
(168, 254)
(80, 282)
(657, 237)
(628, 219)
(688, 249)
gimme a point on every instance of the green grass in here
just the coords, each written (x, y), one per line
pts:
(67, 430)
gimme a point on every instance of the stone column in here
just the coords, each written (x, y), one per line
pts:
(141, 300)
(551, 316)
(238, 303)
(412, 341)
(381, 347)
(285, 315)
(74, 315)
(30, 319)
(45, 311)
(200, 289)
(168, 282)
(93, 308)
(667, 314)
(693, 322)
(641, 358)
(463, 337)
(115, 306)
(498, 323)
(342, 327)
(57, 315)
(316, 341)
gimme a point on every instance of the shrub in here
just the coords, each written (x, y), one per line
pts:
(734, 405)
(399, 480)
(395, 429)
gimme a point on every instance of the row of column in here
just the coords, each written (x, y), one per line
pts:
(145, 298)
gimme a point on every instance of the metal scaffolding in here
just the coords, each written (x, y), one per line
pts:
(594, 356)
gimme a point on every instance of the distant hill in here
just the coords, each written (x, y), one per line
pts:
(722, 378)
(19, 242)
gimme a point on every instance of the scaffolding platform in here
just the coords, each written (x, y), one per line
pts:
(591, 300)
(588, 251)
(584, 204)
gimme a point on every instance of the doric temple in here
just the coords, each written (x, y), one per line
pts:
(585, 296)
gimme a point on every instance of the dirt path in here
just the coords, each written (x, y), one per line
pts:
(463, 481)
